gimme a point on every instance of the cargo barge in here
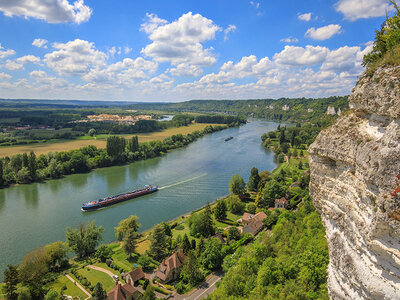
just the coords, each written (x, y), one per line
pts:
(100, 203)
(229, 138)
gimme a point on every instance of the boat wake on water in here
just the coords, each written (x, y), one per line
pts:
(181, 182)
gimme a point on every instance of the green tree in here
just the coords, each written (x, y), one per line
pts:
(24, 295)
(52, 295)
(130, 223)
(272, 190)
(32, 165)
(191, 270)
(211, 258)
(57, 254)
(251, 208)
(2, 182)
(99, 293)
(186, 244)
(237, 185)
(254, 180)
(115, 146)
(92, 132)
(133, 144)
(103, 253)
(145, 261)
(300, 165)
(233, 233)
(79, 162)
(167, 228)
(85, 239)
(158, 242)
(129, 242)
(149, 293)
(220, 210)
(11, 281)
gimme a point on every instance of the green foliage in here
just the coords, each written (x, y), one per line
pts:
(11, 281)
(233, 234)
(211, 258)
(251, 208)
(386, 40)
(149, 293)
(191, 272)
(289, 262)
(115, 146)
(272, 190)
(103, 253)
(254, 180)
(52, 295)
(220, 210)
(57, 254)
(99, 293)
(130, 223)
(159, 243)
(201, 224)
(235, 205)
(186, 247)
(237, 185)
(85, 239)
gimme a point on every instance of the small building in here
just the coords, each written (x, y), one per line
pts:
(245, 219)
(134, 276)
(122, 292)
(255, 224)
(170, 267)
(281, 203)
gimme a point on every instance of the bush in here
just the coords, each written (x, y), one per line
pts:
(180, 287)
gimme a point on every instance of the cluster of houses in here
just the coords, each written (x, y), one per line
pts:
(127, 120)
(169, 268)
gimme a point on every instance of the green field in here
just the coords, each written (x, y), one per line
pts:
(95, 276)
(98, 141)
(72, 290)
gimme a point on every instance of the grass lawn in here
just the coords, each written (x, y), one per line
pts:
(99, 141)
(96, 276)
(72, 290)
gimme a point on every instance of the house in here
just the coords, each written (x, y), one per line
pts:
(255, 224)
(122, 292)
(170, 267)
(281, 203)
(245, 219)
(134, 276)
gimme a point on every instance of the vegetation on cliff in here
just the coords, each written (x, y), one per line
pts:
(386, 49)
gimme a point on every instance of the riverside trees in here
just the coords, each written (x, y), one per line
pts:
(24, 168)
(85, 239)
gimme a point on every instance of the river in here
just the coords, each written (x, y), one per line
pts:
(37, 214)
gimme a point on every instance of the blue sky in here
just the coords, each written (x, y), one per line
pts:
(180, 50)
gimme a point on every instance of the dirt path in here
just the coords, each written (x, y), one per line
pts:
(79, 286)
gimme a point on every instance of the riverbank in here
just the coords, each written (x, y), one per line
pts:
(98, 141)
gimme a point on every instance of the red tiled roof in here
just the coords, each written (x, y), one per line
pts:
(281, 201)
(247, 216)
(121, 292)
(136, 274)
(260, 216)
(173, 262)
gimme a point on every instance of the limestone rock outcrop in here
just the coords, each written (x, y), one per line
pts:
(355, 185)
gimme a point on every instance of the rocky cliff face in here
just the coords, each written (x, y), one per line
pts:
(355, 185)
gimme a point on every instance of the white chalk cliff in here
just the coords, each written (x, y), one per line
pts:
(355, 185)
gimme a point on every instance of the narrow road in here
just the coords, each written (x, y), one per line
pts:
(79, 286)
(203, 290)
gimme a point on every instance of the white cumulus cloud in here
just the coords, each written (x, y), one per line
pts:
(40, 43)
(181, 40)
(4, 76)
(323, 33)
(185, 70)
(13, 65)
(74, 58)
(52, 11)
(6, 52)
(28, 59)
(363, 9)
(305, 17)
(299, 56)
